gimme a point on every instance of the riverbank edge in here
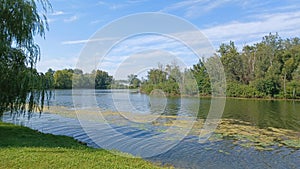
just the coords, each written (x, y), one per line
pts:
(198, 96)
(230, 97)
(43, 150)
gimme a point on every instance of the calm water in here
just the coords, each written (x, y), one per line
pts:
(184, 153)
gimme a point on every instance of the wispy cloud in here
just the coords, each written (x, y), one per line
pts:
(74, 42)
(116, 6)
(194, 11)
(194, 8)
(71, 19)
(286, 24)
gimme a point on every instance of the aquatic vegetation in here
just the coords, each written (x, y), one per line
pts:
(261, 139)
(239, 132)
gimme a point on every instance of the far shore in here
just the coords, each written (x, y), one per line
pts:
(200, 96)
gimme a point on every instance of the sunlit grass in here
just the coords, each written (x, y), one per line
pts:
(21, 147)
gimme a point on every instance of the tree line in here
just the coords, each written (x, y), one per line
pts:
(97, 79)
(269, 68)
(75, 78)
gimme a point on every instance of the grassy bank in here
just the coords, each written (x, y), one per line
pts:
(21, 147)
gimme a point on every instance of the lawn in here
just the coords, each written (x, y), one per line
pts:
(22, 147)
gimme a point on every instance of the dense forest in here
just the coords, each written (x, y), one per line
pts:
(268, 69)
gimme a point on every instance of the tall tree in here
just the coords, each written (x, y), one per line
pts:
(231, 61)
(19, 82)
(202, 78)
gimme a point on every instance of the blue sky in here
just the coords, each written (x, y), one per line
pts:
(73, 22)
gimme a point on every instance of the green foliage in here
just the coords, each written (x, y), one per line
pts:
(19, 82)
(269, 85)
(69, 78)
(102, 80)
(63, 79)
(235, 89)
(231, 61)
(269, 68)
(167, 79)
(171, 81)
(202, 78)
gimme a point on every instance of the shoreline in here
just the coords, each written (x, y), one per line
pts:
(193, 96)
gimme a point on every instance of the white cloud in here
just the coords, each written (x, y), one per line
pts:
(58, 13)
(71, 19)
(74, 42)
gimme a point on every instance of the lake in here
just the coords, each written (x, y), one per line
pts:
(251, 133)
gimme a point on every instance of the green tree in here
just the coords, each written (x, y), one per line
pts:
(102, 79)
(231, 61)
(249, 63)
(269, 85)
(202, 78)
(49, 79)
(173, 72)
(294, 84)
(19, 81)
(63, 79)
(156, 76)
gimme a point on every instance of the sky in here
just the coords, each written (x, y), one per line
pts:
(74, 22)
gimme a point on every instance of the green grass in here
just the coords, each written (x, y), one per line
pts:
(21, 147)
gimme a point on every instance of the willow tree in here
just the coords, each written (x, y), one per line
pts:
(22, 88)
